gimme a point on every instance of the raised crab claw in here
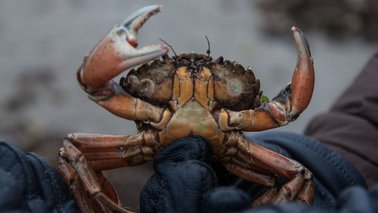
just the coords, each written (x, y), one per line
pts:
(170, 98)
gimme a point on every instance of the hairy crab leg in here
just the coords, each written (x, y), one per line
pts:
(287, 105)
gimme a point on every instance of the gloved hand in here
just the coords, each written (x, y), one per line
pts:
(29, 184)
(185, 179)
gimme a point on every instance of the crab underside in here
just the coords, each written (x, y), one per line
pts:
(170, 98)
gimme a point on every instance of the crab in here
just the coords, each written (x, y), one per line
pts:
(180, 96)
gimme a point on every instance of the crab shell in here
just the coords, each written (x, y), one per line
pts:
(231, 83)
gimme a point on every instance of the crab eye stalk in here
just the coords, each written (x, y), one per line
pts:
(208, 47)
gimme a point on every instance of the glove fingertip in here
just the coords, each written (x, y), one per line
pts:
(225, 199)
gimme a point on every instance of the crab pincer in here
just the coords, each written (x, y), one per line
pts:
(294, 99)
(302, 84)
(117, 51)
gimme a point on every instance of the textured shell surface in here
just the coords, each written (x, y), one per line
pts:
(235, 87)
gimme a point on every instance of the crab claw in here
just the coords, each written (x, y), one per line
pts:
(117, 51)
(294, 98)
(302, 84)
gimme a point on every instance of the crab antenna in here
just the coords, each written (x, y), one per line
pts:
(169, 47)
(208, 46)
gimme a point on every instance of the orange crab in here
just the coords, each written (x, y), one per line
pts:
(170, 98)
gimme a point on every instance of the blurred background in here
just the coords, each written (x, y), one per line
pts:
(43, 42)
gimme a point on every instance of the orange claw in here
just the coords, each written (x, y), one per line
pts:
(302, 84)
(287, 105)
(117, 52)
(294, 98)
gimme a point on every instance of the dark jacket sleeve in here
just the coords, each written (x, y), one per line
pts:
(350, 126)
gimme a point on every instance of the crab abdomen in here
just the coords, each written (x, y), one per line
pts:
(192, 119)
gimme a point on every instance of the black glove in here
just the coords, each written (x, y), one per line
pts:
(185, 182)
(29, 184)
(185, 179)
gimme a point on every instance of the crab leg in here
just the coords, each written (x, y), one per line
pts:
(259, 165)
(83, 157)
(82, 176)
(287, 105)
(84, 200)
(104, 152)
